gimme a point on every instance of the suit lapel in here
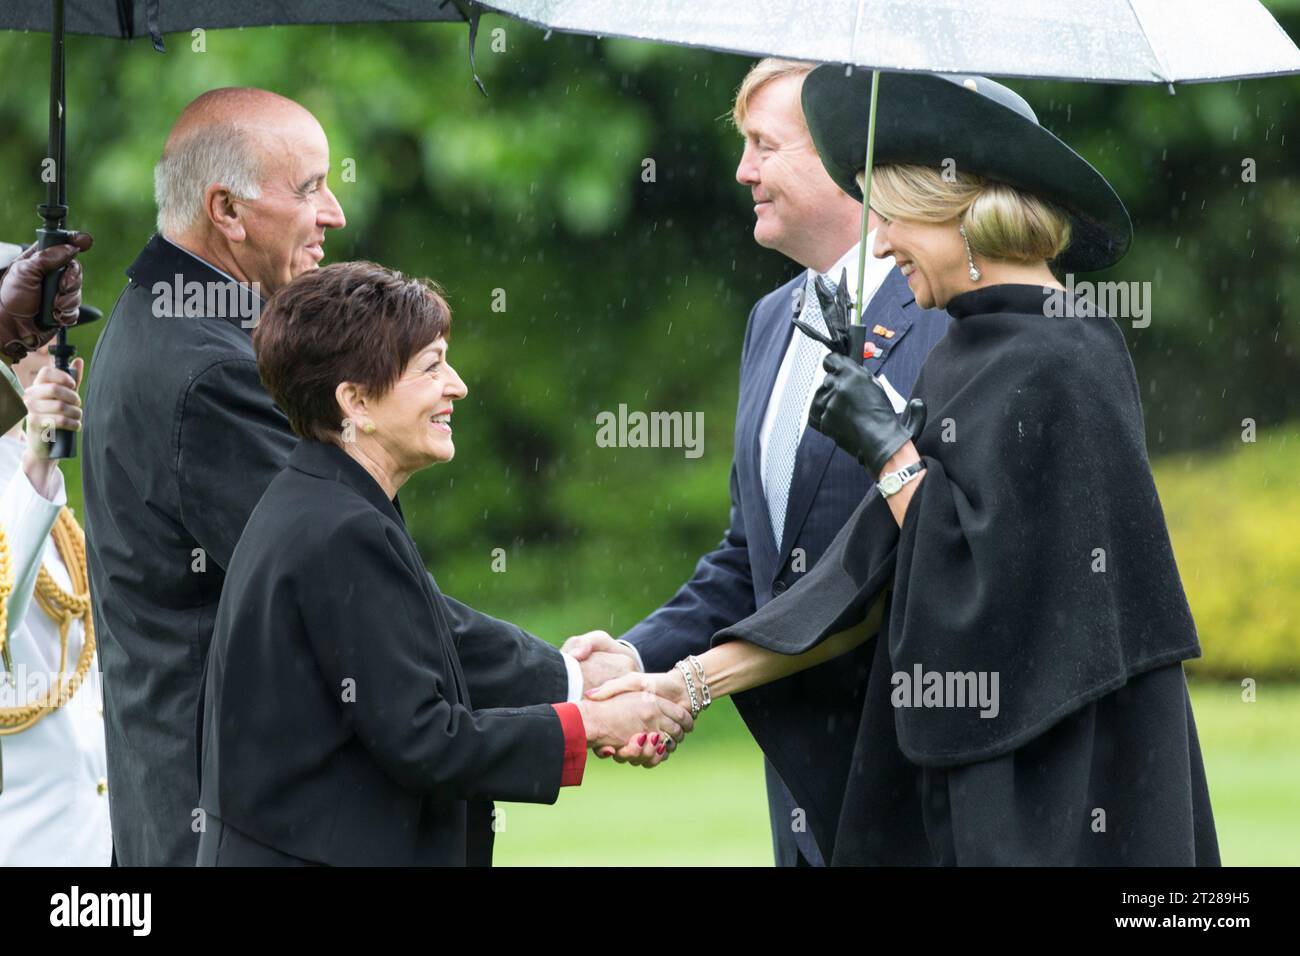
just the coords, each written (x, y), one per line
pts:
(889, 316)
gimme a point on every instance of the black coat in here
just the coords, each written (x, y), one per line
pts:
(180, 442)
(1034, 551)
(337, 723)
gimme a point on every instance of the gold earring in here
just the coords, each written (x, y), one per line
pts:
(368, 428)
(970, 259)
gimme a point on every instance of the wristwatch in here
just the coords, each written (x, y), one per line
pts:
(892, 483)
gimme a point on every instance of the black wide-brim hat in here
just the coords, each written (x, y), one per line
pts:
(984, 128)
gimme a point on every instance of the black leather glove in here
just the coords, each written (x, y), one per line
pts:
(837, 307)
(20, 295)
(853, 411)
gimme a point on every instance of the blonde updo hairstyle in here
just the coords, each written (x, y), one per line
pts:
(1002, 222)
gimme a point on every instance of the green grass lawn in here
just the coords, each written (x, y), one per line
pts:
(706, 806)
(1252, 761)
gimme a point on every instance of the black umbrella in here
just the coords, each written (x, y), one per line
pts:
(129, 19)
(1107, 41)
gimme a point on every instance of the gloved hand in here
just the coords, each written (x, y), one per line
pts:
(837, 307)
(20, 295)
(853, 411)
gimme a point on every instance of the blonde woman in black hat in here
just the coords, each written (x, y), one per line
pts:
(1026, 702)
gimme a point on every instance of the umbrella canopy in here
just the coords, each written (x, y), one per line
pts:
(1105, 41)
(127, 19)
(1110, 41)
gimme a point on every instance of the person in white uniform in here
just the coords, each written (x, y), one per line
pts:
(54, 802)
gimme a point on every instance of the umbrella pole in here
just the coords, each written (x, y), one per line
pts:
(866, 196)
(54, 213)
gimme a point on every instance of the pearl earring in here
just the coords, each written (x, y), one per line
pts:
(970, 259)
(368, 428)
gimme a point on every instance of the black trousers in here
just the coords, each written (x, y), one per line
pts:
(222, 845)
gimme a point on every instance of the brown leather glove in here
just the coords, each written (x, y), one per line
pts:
(20, 295)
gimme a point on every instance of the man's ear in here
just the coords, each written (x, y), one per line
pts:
(223, 213)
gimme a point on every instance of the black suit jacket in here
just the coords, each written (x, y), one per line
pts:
(180, 442)
(338, 726)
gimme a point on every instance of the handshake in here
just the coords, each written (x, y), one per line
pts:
(634, 717)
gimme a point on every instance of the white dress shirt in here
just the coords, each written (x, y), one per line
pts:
(54, 808)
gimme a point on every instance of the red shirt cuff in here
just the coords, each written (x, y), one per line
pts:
(575, 744)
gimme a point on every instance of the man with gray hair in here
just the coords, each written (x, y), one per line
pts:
(181, 439)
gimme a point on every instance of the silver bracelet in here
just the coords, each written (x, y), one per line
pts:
(706, 697)
(690, 688)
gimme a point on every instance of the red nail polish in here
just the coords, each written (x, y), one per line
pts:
(640, 741)
(655, 740)
(659, 749)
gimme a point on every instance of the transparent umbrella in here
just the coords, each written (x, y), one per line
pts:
(1098, 41)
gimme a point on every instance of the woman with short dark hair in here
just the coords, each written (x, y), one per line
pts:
(337, 724)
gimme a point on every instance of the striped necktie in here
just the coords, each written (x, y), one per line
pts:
(787, 428)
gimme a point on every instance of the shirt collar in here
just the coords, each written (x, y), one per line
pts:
(196, 258)
(877, 269)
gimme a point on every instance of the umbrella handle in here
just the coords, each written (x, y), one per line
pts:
(857, 342)
(63, 443)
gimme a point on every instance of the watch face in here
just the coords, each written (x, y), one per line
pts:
(890, 484)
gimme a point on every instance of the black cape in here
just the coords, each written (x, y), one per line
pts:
(1033, 558)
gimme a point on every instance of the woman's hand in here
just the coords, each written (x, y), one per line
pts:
(52, 402)
(854, 411)
(644, 749)
(638, 727)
